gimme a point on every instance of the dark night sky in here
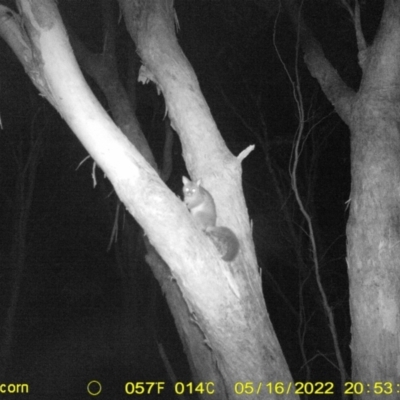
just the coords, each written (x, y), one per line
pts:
(70, 291)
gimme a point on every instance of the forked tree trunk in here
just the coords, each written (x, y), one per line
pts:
(218, 307)
(373, 230)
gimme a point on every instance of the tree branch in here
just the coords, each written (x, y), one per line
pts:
(337, 92)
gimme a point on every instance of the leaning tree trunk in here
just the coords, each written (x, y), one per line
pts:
(221, 311)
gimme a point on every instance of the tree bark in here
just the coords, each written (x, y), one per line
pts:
(373, 228)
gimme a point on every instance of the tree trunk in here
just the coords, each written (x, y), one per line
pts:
(219, 309)
(373, 229)
(374, 237)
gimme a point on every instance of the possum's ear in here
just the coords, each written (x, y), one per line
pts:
(185, 180)
(198, 182)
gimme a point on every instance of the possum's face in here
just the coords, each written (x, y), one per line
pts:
(191, 194)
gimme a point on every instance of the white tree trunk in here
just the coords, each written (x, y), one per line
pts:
(230, 329)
